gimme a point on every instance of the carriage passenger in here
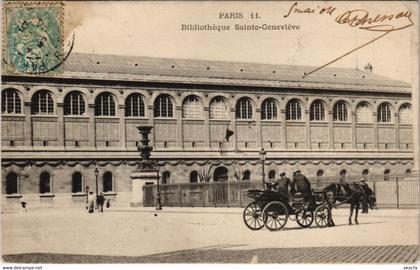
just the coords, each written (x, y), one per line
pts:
(301, 184)
(283, 185)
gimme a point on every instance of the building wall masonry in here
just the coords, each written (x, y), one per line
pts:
(64, 144)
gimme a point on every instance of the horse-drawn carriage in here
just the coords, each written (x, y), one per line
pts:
(273, 209)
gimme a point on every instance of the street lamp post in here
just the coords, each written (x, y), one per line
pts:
(87, 194)
(262, 158)
(159, 202)
(96, 177)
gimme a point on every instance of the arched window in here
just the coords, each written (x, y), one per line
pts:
(42, 103)
(404, 114)
(166, 177)
(407, 172)
(343, 175)
(387, 172)
(317, 111)
(340, 111)
(44, 183)
(384, 113)
(363, 113)
(194, 177)
(134, 106)
(320, 173)
(10, 101)
(76, 182)
(163, 106)
(191, 108)
(365, 172)
(293, 110)
(11, 183)
(269, 109)
(220, 174)
(244, 108)
(246, 176)
(74, 104)
(105, 105)
(272, 175)
(219, 108)
(107, 181)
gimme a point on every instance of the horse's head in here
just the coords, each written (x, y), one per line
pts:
(371, 199)
(370, 196)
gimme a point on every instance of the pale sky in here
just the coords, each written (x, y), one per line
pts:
(154, 29)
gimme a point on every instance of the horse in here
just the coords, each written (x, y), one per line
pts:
(352, 194)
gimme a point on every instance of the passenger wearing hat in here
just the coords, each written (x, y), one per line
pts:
(283, 185)
(301, 184)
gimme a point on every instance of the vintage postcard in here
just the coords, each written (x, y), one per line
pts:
(210, 132)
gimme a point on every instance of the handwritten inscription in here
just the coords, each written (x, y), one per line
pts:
(294, 9)
(358, 18)
(363, 20)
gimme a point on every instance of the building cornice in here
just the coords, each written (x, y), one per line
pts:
(214, 84)
(204, 162)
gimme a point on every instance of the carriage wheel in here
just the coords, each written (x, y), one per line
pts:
(252, 216)
(305, 218)
(275, 216)
(321, 215)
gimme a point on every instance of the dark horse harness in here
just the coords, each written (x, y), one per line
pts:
(339, 194)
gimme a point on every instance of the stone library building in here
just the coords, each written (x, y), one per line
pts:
(212, 121)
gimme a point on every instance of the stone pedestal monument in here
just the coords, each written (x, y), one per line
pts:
(146, 172)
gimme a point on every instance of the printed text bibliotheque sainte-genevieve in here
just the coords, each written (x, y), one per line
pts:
(239, 27)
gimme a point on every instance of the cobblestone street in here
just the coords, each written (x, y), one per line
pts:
(367, 254)
(202, 235)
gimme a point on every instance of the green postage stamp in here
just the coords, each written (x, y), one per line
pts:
(32, 37)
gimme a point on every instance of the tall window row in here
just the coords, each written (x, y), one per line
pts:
(46, 186)
(42, 103)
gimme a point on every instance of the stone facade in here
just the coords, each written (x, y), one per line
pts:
(330, 132)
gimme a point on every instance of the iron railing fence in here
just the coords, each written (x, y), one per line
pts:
(392, 191)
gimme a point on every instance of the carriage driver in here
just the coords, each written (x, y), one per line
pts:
(301, 184)
(283, 184)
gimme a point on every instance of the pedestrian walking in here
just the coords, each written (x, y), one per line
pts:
(91, 200)
(100, 200)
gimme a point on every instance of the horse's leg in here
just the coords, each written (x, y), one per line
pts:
(351, 212)
(357, 213)
(330, 220)
(365, 205)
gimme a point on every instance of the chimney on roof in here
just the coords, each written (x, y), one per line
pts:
(368, 67)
